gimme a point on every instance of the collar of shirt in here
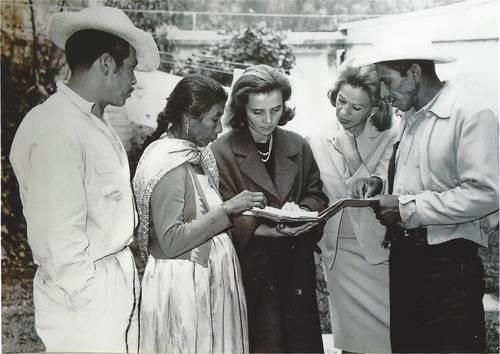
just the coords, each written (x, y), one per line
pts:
(439, 105)
(442, 103)
(84, 105)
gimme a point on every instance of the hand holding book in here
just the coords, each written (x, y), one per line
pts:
(294, 216)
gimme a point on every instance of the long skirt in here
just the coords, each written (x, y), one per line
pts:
(187, 308)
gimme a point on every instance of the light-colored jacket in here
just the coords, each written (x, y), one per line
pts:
(375, 149)
(74, 182)
(458, 159)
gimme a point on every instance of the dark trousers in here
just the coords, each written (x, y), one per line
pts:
(436, 296)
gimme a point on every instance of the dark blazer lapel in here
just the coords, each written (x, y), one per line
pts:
(285, 168)
(249, 161)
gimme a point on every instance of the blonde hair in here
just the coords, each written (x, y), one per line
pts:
(365, 78)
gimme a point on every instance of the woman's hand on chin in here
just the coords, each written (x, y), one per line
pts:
(344, 142)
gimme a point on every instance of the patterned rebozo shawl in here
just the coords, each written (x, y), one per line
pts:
(160, 157)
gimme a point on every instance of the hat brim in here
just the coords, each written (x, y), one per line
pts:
(64, 24)
(378, 58)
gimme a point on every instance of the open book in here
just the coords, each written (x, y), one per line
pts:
(281, 216)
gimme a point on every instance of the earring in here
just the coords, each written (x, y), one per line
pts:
(187, 127)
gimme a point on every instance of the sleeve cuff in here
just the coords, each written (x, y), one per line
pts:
(408, 211)
(220, 220)
(78, 298)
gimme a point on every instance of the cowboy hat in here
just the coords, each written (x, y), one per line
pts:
(63, 25)
(402, 48)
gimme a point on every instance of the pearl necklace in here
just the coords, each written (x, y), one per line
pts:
(264, 156)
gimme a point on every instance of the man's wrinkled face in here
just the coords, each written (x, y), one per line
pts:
(399, 91)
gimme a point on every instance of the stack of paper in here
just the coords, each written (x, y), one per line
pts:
(279, 215)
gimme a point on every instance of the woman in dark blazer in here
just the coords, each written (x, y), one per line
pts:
(277, 261)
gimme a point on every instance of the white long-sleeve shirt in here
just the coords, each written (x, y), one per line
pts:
(74, 182)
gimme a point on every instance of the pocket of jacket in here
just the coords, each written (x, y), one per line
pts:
(108, 179)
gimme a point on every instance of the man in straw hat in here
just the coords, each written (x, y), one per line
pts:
(441, 203)
(74, 182)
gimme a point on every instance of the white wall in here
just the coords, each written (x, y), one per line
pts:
(477, 67)
(311, 80)
(467, 31)
(471, 19)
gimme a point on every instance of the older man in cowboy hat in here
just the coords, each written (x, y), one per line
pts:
(442, 201)
(74, 182)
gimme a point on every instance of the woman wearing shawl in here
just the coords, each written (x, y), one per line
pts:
(277, 261)
(356, 263)
(192, 295)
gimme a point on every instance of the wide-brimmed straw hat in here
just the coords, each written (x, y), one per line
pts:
(63, 25)
(402, 48)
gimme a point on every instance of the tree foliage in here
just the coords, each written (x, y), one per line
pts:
(256, 44)
(157, 23)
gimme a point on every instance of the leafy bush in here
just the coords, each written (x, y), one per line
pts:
(158, 24)
(256, 44)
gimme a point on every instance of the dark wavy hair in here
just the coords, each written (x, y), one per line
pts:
(192, 96)
(365, 78)
(84, 47)
(258, 79)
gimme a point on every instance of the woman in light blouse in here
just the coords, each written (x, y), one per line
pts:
(356, 263)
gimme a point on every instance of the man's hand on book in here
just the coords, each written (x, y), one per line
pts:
(387, 210)
(367, 187)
